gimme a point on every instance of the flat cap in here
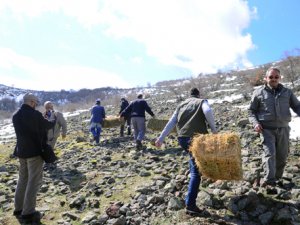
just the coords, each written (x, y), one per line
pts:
(30, 97)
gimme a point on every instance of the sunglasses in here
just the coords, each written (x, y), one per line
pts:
(273, 77)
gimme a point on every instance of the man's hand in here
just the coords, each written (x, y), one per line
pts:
(158, 143)
(258, 128)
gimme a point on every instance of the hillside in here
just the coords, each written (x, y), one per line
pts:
(115, 184)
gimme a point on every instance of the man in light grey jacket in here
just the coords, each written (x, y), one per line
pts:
(60, 123)
(269, 112)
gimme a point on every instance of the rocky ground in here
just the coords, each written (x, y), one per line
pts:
(113, 183)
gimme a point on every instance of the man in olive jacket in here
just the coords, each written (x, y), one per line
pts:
(190, 118)
(31, 131)
(269, 112)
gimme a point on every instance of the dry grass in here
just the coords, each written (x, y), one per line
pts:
(218, 156)
(158, 124)
(112, 121)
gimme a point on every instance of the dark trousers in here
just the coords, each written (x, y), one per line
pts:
(127, 122)
(276, 149)
(96, 131)
(195, 176)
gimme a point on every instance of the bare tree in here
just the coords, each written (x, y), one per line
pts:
(291, 65)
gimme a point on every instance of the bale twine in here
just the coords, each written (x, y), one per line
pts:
(111, 121)
(218, 156)
(158, 124)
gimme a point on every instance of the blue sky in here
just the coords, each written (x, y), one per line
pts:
(74, 44)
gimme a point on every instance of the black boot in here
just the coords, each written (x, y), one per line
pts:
(122, 131)
(139, 145)
(128, 131)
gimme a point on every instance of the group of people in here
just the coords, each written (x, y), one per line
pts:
(269, 112)
(131, 114)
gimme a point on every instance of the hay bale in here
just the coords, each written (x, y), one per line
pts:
(158, 124)
(218, 156)
(111, 121)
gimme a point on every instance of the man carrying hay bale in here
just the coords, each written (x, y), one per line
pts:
(98, 114)
(269, 112)
(190, 118)
(136, 110)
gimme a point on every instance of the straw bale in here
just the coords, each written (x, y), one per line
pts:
(218, 156)
(158, 124)
(111, 121)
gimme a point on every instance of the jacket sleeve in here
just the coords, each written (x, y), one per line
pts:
(62, 122)
(148, 109)
(253, 109)
(169, 126)
(103, 113)
(208, 112)
(126, 111)
(295, 104)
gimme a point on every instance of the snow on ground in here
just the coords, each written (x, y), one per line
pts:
(75, 113)
(230, 98)
(7, 130)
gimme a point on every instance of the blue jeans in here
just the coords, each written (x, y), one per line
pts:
(193, 188)
(96, 130)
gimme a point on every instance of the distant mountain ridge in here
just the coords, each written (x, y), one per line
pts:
(11, 97)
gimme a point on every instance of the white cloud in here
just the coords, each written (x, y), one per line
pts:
(207, 34)
(136, 60)
(202, 36)
(38, 76)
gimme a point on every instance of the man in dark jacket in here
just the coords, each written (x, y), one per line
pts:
(190, 118)
(31, 132)
(124, 104)
(98, 115)
(269, 112)
(137, 109)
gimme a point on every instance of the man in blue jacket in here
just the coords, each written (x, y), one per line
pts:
(98, 115)
(137, 109)
(31, 132)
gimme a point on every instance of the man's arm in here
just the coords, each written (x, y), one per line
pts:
(63, 123)
(168, 128)
(252, 113)
(209, 116)
(295, 104)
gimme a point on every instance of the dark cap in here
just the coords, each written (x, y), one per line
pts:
(98, 101)
(195, 92)
(140, 95)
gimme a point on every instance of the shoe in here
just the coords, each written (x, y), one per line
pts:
(139, 145)
(268, 184)
(270, 187)
(17, 213)
(195, 211)
(279, 183)
(32, 218)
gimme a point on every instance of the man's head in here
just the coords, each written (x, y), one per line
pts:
(273, 77)
(48, 105)
(31, 100)
(195, 92)
(98, 101)
(140, 95)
